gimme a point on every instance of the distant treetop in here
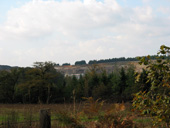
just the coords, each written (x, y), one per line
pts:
(66, 64)
(112, 60)
(82, 62)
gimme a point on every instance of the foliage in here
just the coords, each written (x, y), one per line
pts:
(113, 60)
(112, 117)
(42, 83)
(155, 100)
(115, 121)
(39, 84)
(83, 62)
(92, 107)
(69, 120)
(8, 82)
(66, 64)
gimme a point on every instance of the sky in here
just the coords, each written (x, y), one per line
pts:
(66, 31)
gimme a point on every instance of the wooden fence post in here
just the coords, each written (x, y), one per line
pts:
(45, 118)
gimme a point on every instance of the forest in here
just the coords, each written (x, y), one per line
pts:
(44, 84)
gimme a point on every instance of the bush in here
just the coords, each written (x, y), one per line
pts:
(155, 102)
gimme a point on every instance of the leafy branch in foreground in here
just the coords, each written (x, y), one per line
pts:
(156, 101)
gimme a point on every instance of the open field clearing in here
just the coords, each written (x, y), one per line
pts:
(82, 115)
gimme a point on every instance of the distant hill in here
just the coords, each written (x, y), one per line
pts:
(5, 67)
(78, 70)
(113, 60)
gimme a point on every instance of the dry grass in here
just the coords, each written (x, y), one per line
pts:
(28, 113)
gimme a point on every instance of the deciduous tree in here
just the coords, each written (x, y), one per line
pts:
(155, 101)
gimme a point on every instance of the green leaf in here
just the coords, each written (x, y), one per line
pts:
(159, 61)
(162, 47)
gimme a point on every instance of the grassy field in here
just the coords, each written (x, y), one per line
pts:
(90, 114)
(28, 114)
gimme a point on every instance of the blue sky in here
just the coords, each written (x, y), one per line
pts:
(71, 30)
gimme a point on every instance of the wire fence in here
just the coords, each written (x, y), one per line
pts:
(43, 121)
(28, 124)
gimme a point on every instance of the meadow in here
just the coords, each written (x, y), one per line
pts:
(89, 114)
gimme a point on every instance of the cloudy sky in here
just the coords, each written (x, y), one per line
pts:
(71, 30)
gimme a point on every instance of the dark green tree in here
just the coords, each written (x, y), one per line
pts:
(114, 82)
(71, 83)
(8, 83)
(130, 83)
(42, 83)
(123, 83)
(83, 62)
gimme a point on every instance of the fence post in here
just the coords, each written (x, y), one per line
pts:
(45, 118)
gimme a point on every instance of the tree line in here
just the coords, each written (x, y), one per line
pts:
(83, 62)
(44, 84)
(112, 60)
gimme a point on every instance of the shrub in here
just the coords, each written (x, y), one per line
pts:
(156, 101)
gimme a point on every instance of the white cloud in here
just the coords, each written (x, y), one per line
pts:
(39, 18)
(143, 14)
(146, 1)
(68, 31)
(164, 10)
